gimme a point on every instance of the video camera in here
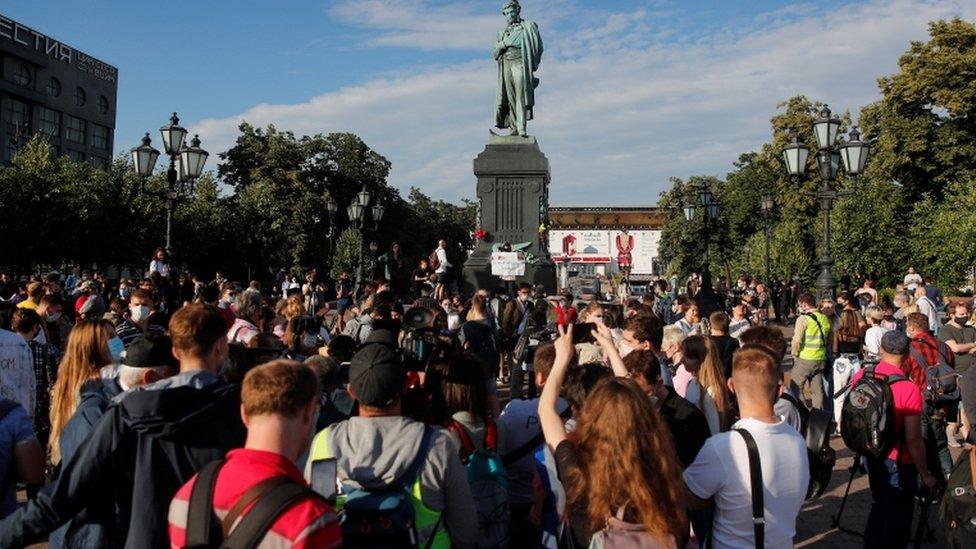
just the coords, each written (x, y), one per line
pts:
(422, 339)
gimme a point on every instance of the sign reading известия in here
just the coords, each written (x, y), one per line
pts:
(26, 37)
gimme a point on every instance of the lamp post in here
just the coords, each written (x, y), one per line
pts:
(767, 209)
(358, 212)
(185, 166)
(830, 154)
(707, 202)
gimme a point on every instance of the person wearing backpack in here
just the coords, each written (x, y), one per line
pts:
(618, 466)
(478, 438)
(893, 475)
(757, 472)
(279, 401)
(809, 347)
(930, 364)
(147, 444)
(382, 457)
(960, 337)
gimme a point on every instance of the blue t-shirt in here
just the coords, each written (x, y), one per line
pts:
(15, 428)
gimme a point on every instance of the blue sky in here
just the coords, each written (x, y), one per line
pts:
(632, 92)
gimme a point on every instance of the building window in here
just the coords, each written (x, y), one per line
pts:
(50, 123)
(17, 119)
(98, 162)
(54, 87)
(22, 75)
(75, 129)
(100, 137)
(80, 96)
(76, 156)
(102, 104)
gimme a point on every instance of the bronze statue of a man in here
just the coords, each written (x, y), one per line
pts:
(518, 51)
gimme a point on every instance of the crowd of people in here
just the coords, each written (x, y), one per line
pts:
(170, 411)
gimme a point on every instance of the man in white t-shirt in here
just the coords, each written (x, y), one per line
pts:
(722, 466)
(927, 308)
(443, 263)
(912, 280)
(521, 439)
(17, 379)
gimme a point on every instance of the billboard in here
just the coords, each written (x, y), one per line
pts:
(600, 247)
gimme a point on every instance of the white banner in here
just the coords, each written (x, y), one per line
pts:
(508, 265)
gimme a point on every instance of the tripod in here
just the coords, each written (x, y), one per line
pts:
(835, 521)
(923, 532)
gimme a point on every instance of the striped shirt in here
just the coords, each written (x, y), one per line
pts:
(127, 331)
(308, 523)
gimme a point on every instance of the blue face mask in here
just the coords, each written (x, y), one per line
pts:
(116, 348)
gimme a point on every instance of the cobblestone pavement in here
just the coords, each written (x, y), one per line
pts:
(814, 526)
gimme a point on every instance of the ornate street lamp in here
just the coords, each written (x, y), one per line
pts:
(830, 155)
(331, 207)
(795, 157)
(709, 204)
(185, 166)
(193, 158)
(144, 157)
(358, 211)
(173, 135)
(854, 153)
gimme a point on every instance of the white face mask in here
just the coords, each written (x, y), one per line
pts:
(309, 341)
(139, 313)
(624, 349)
(54, 317)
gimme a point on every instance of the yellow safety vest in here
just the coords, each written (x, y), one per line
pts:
(815, 337)
(425, 519)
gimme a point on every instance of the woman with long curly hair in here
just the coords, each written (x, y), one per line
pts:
(86, 354)
(618, 463)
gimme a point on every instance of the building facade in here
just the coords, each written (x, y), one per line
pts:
(50, 88)
(597, 239)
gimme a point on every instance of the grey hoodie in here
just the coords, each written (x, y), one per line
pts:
(373, 452)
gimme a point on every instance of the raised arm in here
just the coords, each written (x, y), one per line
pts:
(552, 425)
(603, 337)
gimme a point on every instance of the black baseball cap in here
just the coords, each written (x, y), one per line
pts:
(376, 375)
(895, 342)
(150, 351)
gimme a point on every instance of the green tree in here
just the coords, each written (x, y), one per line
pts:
(348, 253)
(868, 236)
(943, 235)
(685, 244)
(925, 122)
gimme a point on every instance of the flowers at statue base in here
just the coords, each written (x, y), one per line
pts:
(480, 234)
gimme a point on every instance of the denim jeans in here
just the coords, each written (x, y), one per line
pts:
(893, 488)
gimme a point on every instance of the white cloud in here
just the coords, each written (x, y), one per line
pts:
(419, 24)
(619, 111)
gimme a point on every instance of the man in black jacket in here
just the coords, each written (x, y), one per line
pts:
(146, 446)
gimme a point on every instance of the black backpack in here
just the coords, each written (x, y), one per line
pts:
(940, 379)
(867, 421)
(816, 426)
(958, 510)
(273, 496)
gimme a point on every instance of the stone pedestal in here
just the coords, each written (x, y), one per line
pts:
(513, 194)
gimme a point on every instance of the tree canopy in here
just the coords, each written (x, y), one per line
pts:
(265, 209)
(909, 207)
